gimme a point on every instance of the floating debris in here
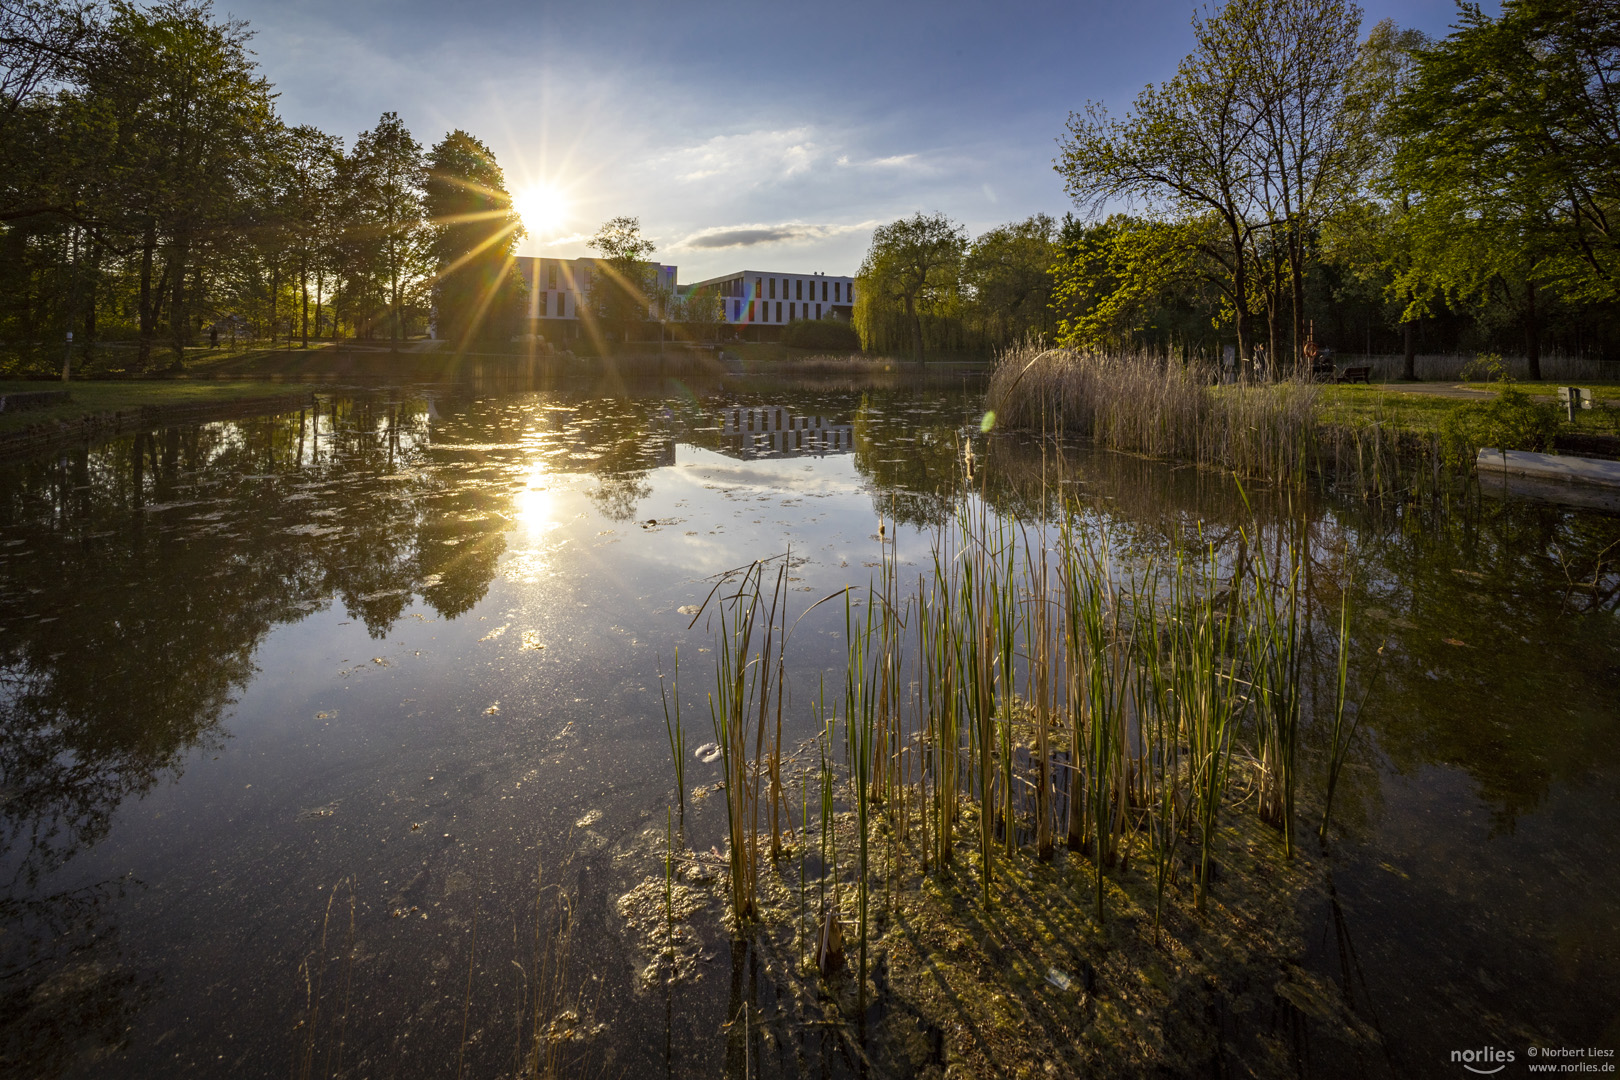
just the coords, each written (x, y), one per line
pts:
(531, 640)
(495, 633)
(707, 753)
(591, 818)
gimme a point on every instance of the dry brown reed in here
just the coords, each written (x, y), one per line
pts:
(1144, 404)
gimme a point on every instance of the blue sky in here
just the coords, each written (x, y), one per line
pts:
(769, 136)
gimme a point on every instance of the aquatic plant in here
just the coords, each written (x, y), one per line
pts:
(1146, 404)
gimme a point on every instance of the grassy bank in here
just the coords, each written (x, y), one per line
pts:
(1139, 404)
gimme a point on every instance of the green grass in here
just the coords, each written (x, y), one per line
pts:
(100, 398)
(1422, 413)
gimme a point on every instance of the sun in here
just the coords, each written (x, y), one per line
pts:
(543, 208)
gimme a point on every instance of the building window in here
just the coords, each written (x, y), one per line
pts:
(551, 275)
(773, 288)
(793, 312)
(837, 285)
(818, 311)
(798, 288)
(824, 289)
(779, 311)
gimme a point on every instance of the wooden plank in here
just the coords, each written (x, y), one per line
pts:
(1575, 470)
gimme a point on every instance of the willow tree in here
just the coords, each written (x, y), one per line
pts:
(1009, 273)
(914, 263)
(474, 231)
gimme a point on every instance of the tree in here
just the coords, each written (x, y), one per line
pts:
(43, 46)
(477, 289)
(308, 159)
(622, 283)
(702, 311)
(1253, 130)
(194, 124)
(384, 184)
(1371, 233)
(1511, 151)
(1132, 283)
(1299, 57)
(1009, 273)
(915, 262)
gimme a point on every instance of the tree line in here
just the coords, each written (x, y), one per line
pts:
(1386, 193)
(149, 190)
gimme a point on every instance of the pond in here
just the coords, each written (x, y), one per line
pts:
(310, 722)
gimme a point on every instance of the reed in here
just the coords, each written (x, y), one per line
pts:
(1146, 404)
(676, 733)
(1274, 658)
(1146, 690)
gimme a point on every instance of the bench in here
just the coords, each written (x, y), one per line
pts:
(1574, 397)
(1354, 374)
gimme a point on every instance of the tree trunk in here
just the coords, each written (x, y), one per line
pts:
(303, 284)
(393, 298)
(179, 303)
(320, 285)
(916, 328)
(1240, 291)
(1532, 332)
(1408, 352)
(1296, 267)
(143, 355)
(275, 294)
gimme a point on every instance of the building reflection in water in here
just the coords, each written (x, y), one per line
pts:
(776, 431)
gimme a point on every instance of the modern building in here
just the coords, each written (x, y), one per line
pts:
(558, 288)
(761, 298)
(776, 431)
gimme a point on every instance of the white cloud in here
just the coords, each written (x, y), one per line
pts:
(749, 157)
(894, 161)
(792, 232)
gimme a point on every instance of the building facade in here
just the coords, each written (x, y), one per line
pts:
(560, 288)
(771, 299)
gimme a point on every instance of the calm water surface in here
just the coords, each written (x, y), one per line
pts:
(400, 653)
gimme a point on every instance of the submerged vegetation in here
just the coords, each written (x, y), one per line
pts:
(1039, 683)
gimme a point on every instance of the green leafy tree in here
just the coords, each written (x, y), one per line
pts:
(44, 45)
(194, 124)
(1511, 152)
(477, 290)
(915, 265)
(1009, 273)
(1133, 283)
(1299, 60)
(309, 160)
(702, 311)
(1186, 148)
(621, 284)
(387, 239)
